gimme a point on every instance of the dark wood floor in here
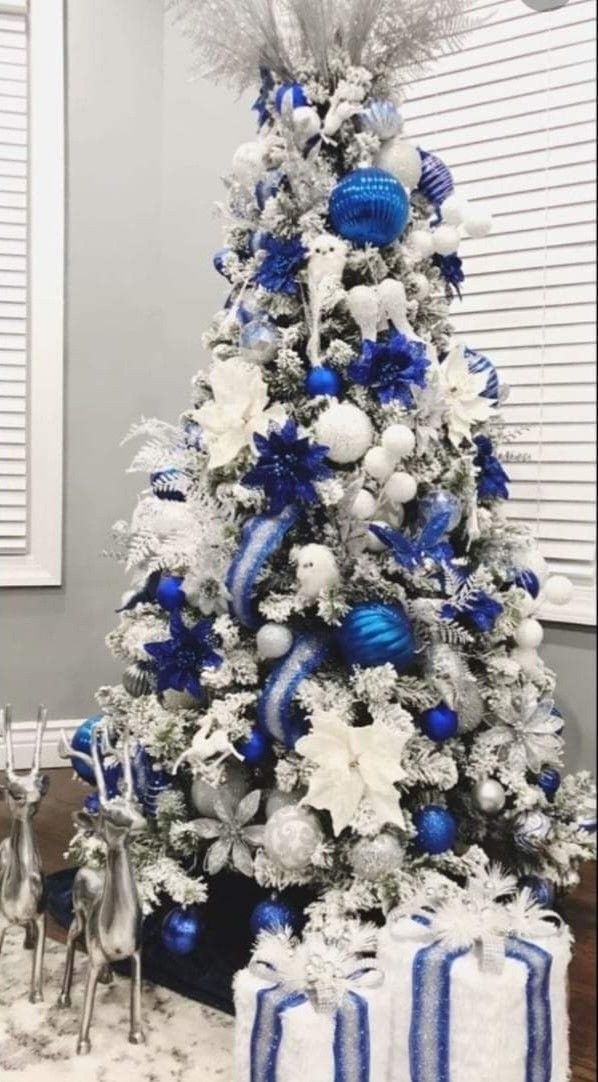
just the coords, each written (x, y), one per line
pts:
(66, 795)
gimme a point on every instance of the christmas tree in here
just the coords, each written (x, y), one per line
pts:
(329, 648)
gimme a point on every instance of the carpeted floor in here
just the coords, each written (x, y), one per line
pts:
(185, 1042)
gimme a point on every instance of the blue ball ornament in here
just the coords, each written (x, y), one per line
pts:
(440, 723)
(219, 261)
(477, 362)
(436, 829)
(169, 484)
(435, 182)
(182, 929)
(255, 747)
(169, 593)
(440, 502)
(543, 890)
(322, 380)
(273, 914)
(549, 781)
(528, 581)
(291, 93)
(81, 741)
(369, 206)
(375, 633)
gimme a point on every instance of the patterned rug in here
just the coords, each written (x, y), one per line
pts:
(185, 1041)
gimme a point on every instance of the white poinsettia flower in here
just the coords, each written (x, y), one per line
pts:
(353, 764)
(462, 394)
(531, 733)
(238, 410)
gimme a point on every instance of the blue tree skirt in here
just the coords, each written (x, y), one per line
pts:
(206, 975)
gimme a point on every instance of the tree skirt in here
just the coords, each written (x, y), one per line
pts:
(185, 1041)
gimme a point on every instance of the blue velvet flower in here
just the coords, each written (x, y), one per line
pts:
(178, 662)
(287, 467)
(478, 611)
(278, 270)
(260, 105)
(492, 478)
(411, 552)
(391, 367)
(451, 269)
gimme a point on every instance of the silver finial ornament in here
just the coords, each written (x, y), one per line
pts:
(21, 875)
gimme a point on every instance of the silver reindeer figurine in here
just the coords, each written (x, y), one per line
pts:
(21, 877)
(106, 904)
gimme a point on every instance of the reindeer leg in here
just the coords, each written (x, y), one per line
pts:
(3, 928)
(136, 1036)
(83, 1043)
(64, 999)
(106, 975)
(29, 943)
(37, 971)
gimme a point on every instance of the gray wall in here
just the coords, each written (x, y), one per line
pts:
(146, 148)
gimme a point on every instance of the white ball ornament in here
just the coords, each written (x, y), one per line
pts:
(364, 505)
(421, 244)
(248, 162)
(454, 209)
(378, 464)
(402, 160)
(558, 590)
(445, 239)
(527, 660)
(398, 441)
(489, 796)
(273, 641)
(317, 569)
(346, 431)
(529, 634)
(478, 223)
(401, 487)
(291, 837)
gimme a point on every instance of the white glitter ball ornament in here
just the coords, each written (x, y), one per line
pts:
(291, 837)
(398, 441)
(378, 463)
(248, 163)
(478, 223)
(402, 160)
(364, 505)
(454, 209)
(529, 634)
(421, 244)
(558, 590)
(373, 859)
(445, 239)
(489, 796)
(401, 487)
(346, 431)
(273, 641)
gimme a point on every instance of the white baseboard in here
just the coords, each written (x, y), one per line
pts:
(23, 738)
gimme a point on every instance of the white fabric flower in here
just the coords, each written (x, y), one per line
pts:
(352, 764)
(239, 408)
(462, 393)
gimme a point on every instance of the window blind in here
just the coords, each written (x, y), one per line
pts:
(13, 278)
(513, 115)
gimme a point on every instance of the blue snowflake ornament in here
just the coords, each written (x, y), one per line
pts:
(287, 467)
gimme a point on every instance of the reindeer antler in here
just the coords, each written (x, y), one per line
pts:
(6, 718)
(40, 728)
(67, 751)
(124, 757)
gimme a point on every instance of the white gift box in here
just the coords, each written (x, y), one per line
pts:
(485, 1012)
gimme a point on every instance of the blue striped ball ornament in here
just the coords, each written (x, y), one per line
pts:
(477, 362)
(374, 634)
(528, 581)
(436, 182)
(369, 206)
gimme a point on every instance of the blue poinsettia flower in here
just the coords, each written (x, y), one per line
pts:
(410, 552)
(260, 105)
(179, 661)
(451, 269)
(492, 478)
(478, 611)
(390, 368)
(287, 467)
(278, 270)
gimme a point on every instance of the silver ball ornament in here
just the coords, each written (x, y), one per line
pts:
(346, 431)
(489, 796)
(137, 680)
(273, 641)
(259, 341)
(372, 859)
(291, 836)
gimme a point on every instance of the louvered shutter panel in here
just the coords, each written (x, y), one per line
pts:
(13, 279)
(512, 114)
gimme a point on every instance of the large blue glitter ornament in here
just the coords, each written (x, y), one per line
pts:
(440, 723)
(549, 781)
(477, 362)
(543, 890)
(290, 95)
(435, 182)
(273, 914)
(81, 741)
(375, 633)
(440, 502)
(169, 484)
(322, 380)
(369, 206)
(436, 829)
(182, 929)
(169, 593)
(255, 747)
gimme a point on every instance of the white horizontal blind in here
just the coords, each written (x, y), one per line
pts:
(13, 278)
(513, 116)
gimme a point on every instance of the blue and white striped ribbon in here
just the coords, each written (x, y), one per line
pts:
(276, 712)
(260, 539)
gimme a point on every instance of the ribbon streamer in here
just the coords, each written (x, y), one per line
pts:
(275, 709)
(260, 539)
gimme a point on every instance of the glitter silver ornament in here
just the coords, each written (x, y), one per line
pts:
(489, 796)
(236, 784)
(530, 831)
(137, 680)
(291, 836)
(373, 859)
(277, 800)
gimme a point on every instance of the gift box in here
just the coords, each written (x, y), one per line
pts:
(310, 1009)
(479, 993)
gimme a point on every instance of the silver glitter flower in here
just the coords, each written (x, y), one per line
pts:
(530, 734)
(233, 836)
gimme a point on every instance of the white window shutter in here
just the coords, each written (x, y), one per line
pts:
(513, 116)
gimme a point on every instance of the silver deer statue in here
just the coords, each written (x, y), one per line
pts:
(106, 904)
(22, 901)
